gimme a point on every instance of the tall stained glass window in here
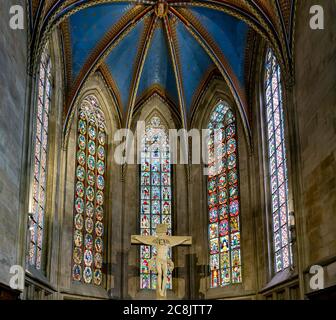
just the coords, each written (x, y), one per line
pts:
(36, 222)
(223, 199)
(89, 194)
(277, 163)
(156, 195)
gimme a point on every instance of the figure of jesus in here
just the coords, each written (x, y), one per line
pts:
(163, 263)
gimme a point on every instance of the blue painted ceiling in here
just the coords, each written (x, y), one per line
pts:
(230, 35)
(194, 62)
(158, 69)
(121, 62)
(89, 26)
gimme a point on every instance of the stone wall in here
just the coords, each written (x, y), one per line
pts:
(315, 88)
(13, 110)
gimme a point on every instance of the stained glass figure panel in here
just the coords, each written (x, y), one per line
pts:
(155, 194)
(223, 199)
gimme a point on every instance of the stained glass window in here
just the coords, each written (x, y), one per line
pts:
(223, 199)
(36, 222)
(89, 194)
(277, 163)
(156, 194)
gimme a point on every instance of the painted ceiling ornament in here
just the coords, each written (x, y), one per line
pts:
(161, 9)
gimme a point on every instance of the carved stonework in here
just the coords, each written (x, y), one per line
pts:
(161, 9)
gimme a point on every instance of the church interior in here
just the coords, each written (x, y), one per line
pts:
(256, 203)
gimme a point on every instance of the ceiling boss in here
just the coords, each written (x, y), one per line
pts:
(161, 9)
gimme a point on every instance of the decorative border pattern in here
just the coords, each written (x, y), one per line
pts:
(65, 29)
(105, 71)
(208, 76)
(108, 45)
(159, 91)
(175, 58)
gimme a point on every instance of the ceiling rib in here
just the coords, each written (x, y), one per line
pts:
(283, 27)
(222, 66)
(280, 37)
(255, 15)
(139, 65)
(105, 48)
(57, 13)
(260, 22)
(176, 64)
(267, 22)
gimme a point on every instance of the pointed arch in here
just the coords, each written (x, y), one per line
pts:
(155, 178)
(96, 85)
(89, 207)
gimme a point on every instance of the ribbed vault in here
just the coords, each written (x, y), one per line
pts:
(170, 47)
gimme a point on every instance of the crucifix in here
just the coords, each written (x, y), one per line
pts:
(161, 263)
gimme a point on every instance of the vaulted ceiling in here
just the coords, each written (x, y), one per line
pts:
(171, 47)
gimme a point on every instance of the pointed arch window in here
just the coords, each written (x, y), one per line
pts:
(89, 194)
(276, 155)
(155, 194)
(223, 199)
(37, 217)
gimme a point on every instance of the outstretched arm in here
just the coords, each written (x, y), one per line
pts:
(147, 240)
(176, 241)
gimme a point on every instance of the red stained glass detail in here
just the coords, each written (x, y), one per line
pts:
(223, 198)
